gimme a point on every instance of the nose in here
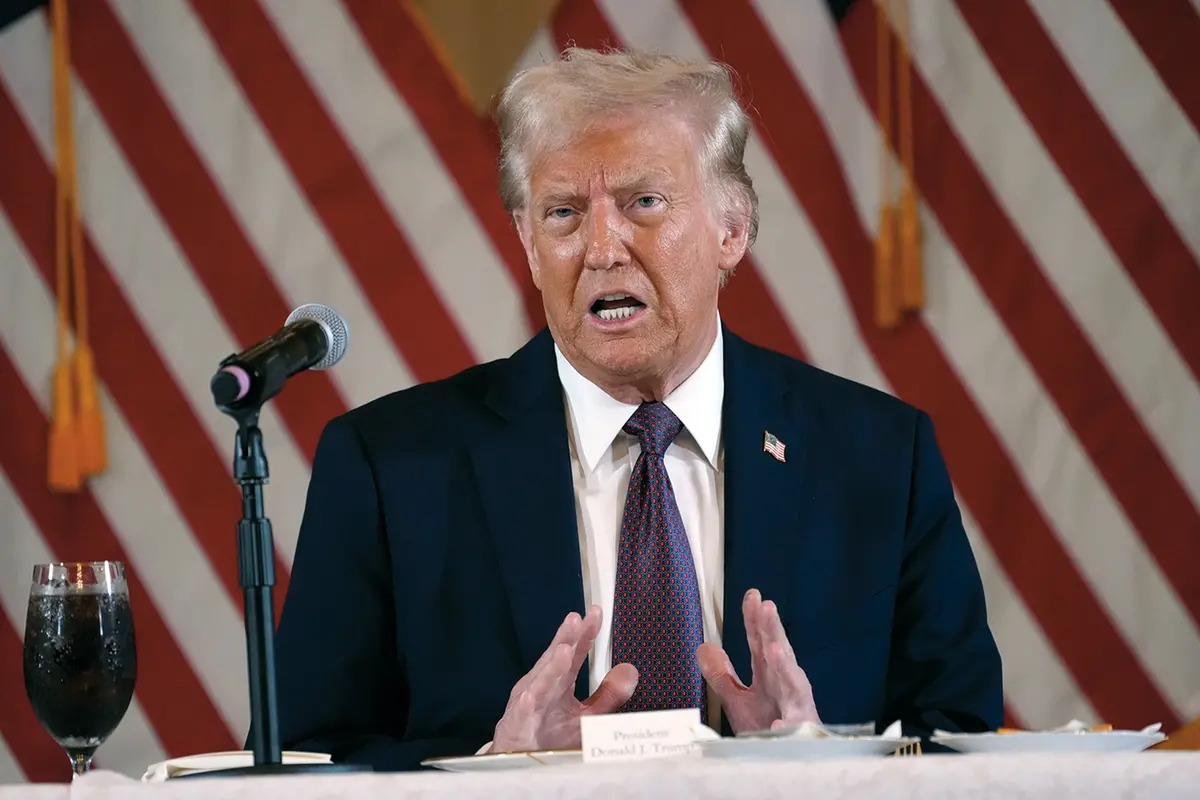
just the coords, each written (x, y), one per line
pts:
(608, 234)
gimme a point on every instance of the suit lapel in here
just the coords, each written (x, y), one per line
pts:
(764, 540)
(524, 478)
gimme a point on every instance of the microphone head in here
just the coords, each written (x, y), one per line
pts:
(335, 327)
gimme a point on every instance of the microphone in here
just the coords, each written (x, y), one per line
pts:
(313, 337)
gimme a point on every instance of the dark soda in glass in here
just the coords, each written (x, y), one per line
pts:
(80, 663)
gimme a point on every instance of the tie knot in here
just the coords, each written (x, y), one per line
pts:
(655, 426)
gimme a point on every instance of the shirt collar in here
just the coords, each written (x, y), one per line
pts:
(597, 417)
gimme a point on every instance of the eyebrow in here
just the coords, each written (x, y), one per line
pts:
(558, 193)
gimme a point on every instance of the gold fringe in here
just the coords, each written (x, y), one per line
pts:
(887, 301)
(899, 278)
(912, 283)
(77, 446)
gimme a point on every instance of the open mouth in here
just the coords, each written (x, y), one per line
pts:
(613, 307)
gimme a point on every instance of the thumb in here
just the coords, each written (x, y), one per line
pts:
(614, 691)
(718, 671)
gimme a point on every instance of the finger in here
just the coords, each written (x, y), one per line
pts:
(772, 628)
(567, 633)
(587, 633)
(794, 691)
(774, 638)
(546, 686)
(718, 671)
(751, 612)
(614, 691)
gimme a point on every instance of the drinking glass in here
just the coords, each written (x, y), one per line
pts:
(80, 654)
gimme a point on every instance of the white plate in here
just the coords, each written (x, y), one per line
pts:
(784, 749)
(495, 762)
(1050, 742)
(226, 759)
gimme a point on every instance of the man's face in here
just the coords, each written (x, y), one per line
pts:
(627, 248)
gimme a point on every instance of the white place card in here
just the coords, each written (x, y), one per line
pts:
(635, 736)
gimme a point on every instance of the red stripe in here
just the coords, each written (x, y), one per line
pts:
(458, 135)
(1154, 255)
(1168, 31)
(1128, 214)
(191, 206)
(337, 187)
(76, 530)
(1041, 571)
(197, 479)
(39, 756)
(746, 303)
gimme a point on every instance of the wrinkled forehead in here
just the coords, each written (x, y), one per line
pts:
(618, 156)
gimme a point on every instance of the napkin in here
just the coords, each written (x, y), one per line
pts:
(206, 762)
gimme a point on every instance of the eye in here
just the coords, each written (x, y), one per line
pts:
(647, 202)
(559, 212)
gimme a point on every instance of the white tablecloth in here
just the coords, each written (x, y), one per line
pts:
(1159, 775)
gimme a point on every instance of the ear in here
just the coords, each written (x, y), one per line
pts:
(525, 231)
(735, 238)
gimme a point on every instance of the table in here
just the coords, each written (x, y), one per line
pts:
(1160, 775)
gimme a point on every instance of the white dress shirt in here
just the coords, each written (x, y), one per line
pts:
(602, 459)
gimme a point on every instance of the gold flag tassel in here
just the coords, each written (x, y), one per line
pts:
(65, 473)
(887, 300)
(77, 440)
(912, 282)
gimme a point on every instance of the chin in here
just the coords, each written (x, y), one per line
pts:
(621, 357)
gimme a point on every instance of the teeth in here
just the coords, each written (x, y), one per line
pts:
(609, 314)
(611, 297)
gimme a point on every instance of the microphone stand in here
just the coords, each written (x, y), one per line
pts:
(256, 573)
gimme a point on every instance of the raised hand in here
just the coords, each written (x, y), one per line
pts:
(779, 692)
(542, 712)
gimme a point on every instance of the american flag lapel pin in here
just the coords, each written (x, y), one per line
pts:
(772, 445)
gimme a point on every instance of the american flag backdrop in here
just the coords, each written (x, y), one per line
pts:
(237, 158)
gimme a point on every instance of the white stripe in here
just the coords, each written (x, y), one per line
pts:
(133, 744)
(284, 229)
(1139, 109)
(10, 770)
(170, 303)
(812, 299)
(1044, 450)
(1036, 684)
(197, 611)
(541, 49)
(1069, 247)
(815, 304)
(464, 268)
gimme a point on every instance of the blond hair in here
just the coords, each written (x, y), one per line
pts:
(542, 105)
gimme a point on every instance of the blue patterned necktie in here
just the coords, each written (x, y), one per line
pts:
(657, 622)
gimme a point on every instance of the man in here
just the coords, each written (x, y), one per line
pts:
(638, 509)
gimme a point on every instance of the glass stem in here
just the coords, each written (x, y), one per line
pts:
(81, 763)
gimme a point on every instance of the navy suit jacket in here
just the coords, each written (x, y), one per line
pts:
(439, 553)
